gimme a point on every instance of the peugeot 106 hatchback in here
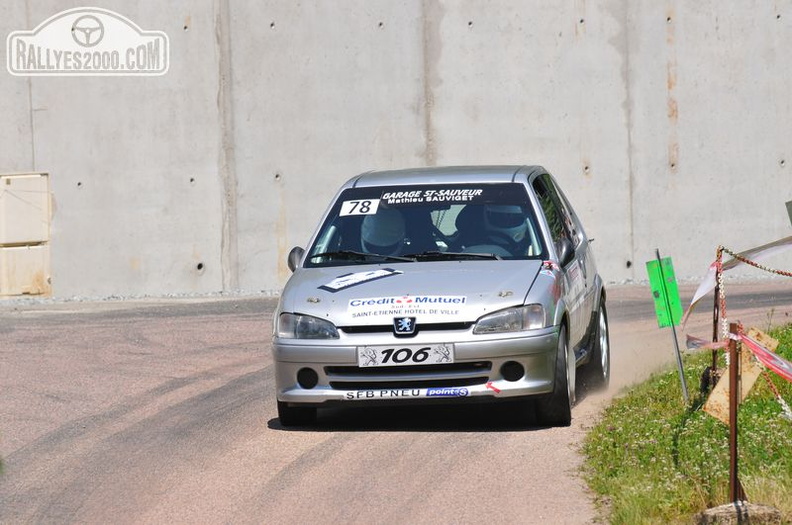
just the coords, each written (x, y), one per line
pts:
(432, 285)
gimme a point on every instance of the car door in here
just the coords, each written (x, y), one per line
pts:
(586, 256)
(562, 227)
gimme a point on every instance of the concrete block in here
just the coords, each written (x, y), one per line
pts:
(24, 209)
(740, 513)
(24, 270)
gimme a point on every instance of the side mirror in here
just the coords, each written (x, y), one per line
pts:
(294, 258)
(566, 252)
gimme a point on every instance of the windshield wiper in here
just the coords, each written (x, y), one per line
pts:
(450, 256)
(362, 256)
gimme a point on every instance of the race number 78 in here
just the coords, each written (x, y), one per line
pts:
(359, 207)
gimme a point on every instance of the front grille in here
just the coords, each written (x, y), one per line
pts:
(455, 374)
(475, 367)
(428, 383)
(387, 328)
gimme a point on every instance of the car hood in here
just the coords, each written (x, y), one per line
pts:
(433, 292)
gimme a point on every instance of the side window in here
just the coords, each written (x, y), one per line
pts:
(570, 219)
(558, 217)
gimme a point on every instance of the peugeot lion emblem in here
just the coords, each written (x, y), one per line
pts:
(404, 325)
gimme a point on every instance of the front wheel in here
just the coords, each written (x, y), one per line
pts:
(555, 409)
(295, 416)
(598, 369)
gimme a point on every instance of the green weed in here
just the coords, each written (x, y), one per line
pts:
(651, 459)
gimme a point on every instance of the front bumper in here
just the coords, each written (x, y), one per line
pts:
(477, 373)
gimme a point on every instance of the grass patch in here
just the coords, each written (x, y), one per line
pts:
(651, 459)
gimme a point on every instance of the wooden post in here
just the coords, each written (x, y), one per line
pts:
(736, 492)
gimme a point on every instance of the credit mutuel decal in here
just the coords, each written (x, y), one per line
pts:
(437, 305)
(87, 41)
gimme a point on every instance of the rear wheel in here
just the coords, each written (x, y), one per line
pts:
(295, 416)
(598, 369)
(555, 409)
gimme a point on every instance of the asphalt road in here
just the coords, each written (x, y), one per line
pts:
(164, 412)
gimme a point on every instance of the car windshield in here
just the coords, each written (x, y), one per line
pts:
(428, 223)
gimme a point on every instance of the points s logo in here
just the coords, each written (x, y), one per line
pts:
(447, 392)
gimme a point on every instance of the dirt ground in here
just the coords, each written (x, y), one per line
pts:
(155, 411)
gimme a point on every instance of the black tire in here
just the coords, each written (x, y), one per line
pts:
(555, 409)
(598, 369)
(296, 416)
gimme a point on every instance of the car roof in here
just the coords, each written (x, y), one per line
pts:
(443, 175)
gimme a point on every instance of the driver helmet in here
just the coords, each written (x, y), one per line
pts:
(383, 233)
(507, 219)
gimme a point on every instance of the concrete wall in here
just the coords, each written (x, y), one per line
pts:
(667, 123)
(133, 162)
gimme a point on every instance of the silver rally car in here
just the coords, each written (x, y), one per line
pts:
(439, 285)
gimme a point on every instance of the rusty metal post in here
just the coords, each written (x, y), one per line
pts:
(715, 324)
(736, 492)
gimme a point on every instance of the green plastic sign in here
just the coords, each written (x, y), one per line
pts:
(665, 292)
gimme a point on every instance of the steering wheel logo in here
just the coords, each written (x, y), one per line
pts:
(87, 31)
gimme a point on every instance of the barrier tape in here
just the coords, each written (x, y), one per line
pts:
(748, 257)
(771, 360)
(713, 279)
(755, 264)
(698, 343)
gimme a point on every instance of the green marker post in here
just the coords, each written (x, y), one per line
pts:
(668, 307)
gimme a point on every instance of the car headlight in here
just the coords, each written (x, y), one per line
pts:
(298, 326)
(528, 317)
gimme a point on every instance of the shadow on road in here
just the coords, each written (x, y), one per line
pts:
(489, 417)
